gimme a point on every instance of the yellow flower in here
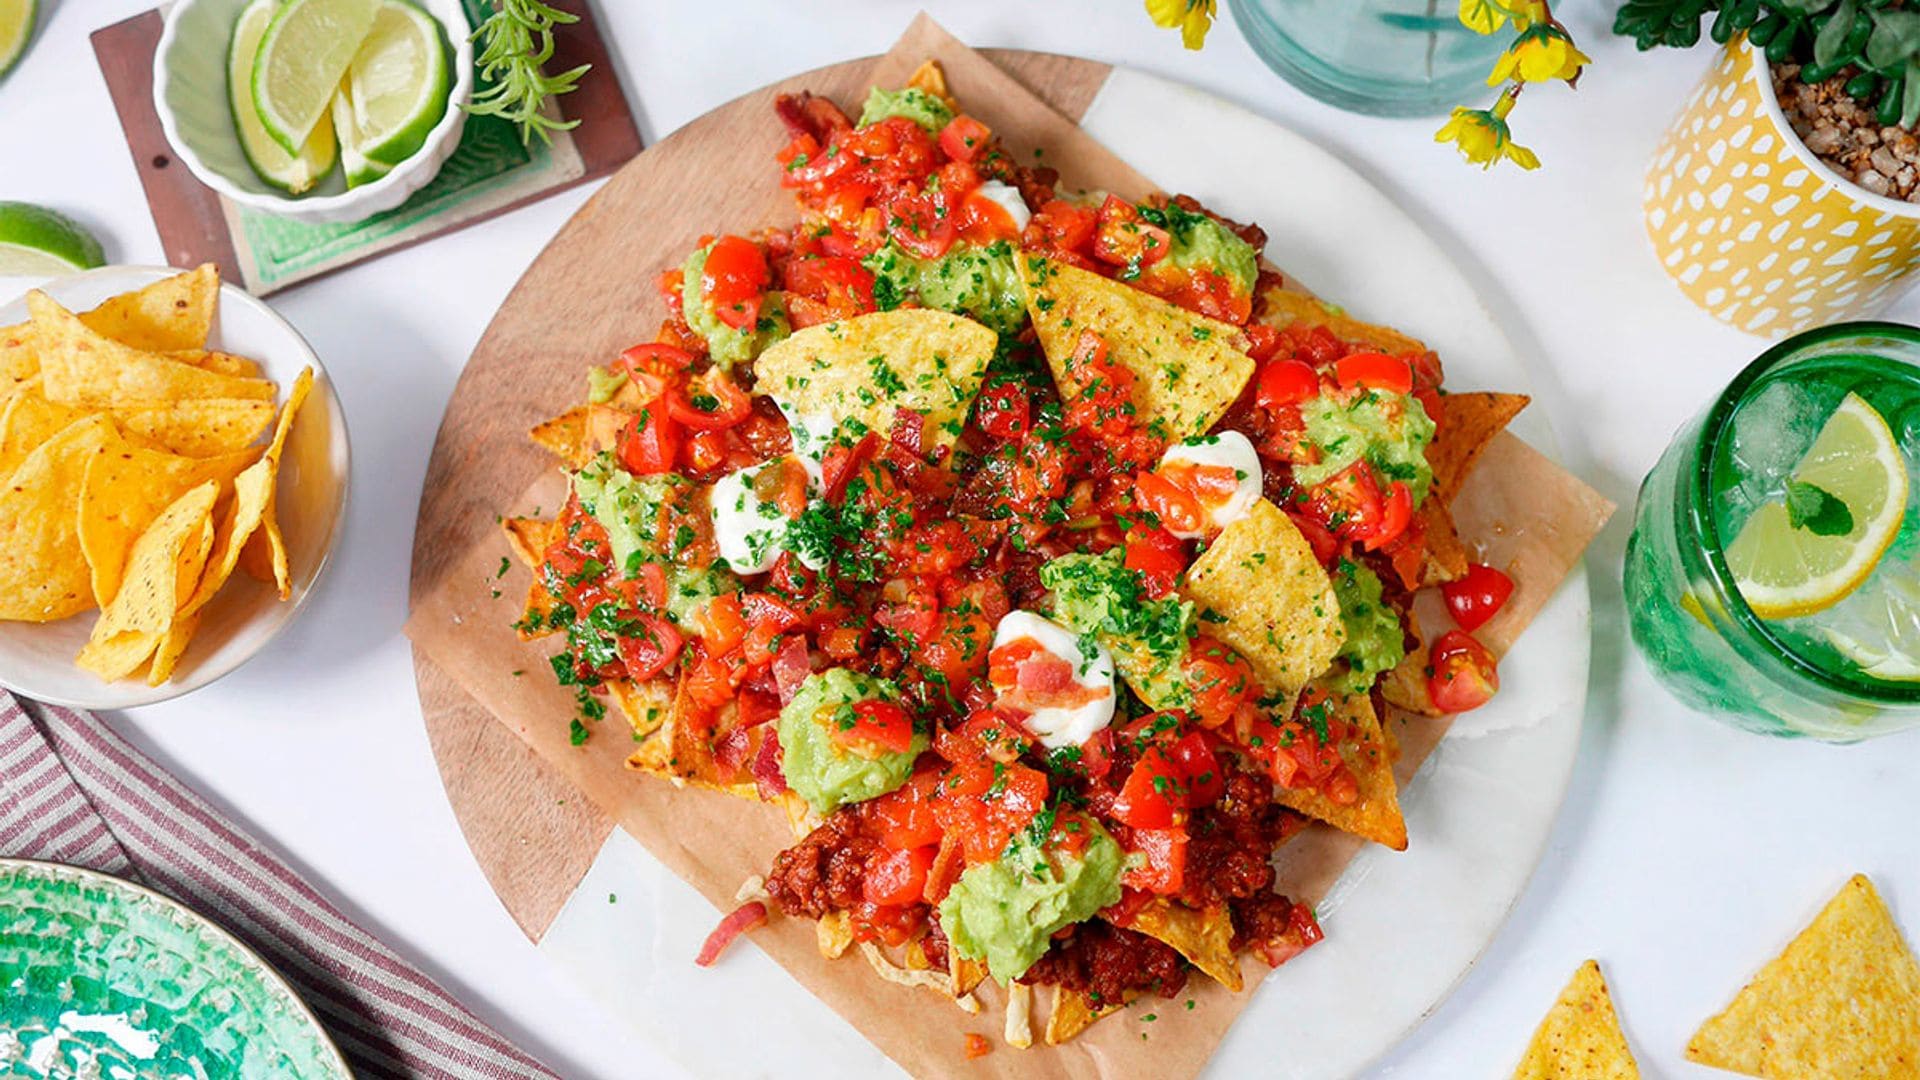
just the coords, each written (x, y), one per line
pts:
(1542, 53)
(1193, 17)
(1487, 16)
(1483, 138)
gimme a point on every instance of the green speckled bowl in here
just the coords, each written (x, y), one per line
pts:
(101, 977)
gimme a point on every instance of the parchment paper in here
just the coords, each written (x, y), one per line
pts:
(1525, 513)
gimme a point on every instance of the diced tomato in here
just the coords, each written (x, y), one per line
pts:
(649, 445)
(721, 625)
(1374, 371)
(1162, 867)
(1158, 556)
(1125, 239)
(1003, 411)
(1061, 227)
(653, 585)
(733, 280)
(1192, 755)
(1464, 676)
(874, 726)
(648, 651)
(1177, 511)
(1396, 513)
(1221, 682)
(899, 877)
(841, 285)
(1326, 546)
(1477, 596)
(921, 224)
(843, 462)
(654, 357)
(1151, 797)
(978, 1045)
(1262, 342)
(889, 924)
(963, 137)
(705, 452)
(984, 802)
(1302, 932)
(903, 817)
(1353, 507)
(722, 404)
(1286, 382)
(984, 221)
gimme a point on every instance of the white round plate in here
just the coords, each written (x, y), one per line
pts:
(36, 660)
(1402, 928)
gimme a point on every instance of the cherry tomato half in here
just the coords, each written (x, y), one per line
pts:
(649, 443)
(1464, 675)
(876, 725)
(963, 138)
(734, 277)
(1374, 371)
(1477, 596)
(1286, 382)
(719, 406)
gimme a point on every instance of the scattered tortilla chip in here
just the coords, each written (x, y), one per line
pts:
(199, 428)
(966, 974)
(861, 372)
(931, 78)
(1842, 1000)
(529, 538)
(82, 367)
(1074, 1012)
(1283, 308)
(1203, 935)
(1446, 556)
(1580, 1037)
(125, 489)
(645, 704)
(691, 757)
(1467, 423)
(173, 313)
(162, 571)
(1019, 1032)
(27, 420)
(1187, 368)
(533, 623)
(269, 534)
(42, 575)
(566, 436)
(1375, 815)
(1274, 602)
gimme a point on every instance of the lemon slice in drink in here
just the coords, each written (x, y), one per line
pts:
(37, 241)
(16, 27)
(289, 172)
(1879, 626)
(1785, 571)
(303, 54)
(399, 82)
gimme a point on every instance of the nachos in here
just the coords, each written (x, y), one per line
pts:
(1042, 555)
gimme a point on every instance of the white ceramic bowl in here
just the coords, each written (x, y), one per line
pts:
(190, 94)
(36, 659)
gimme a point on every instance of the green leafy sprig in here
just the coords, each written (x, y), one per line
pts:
(516, 41)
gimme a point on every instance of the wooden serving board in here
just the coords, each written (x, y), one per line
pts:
(533, 835)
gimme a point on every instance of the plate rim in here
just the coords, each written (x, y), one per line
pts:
(47, 869)
(340, 439)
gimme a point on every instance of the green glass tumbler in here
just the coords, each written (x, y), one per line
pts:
(1381, 57)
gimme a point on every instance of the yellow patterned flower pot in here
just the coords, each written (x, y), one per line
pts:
(1754, 227)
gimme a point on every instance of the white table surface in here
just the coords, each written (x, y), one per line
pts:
(1686, 854)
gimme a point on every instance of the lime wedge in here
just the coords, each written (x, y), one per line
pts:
(400, 82)
(359, 168)
(302, 56)
(16, 27)
(274, 165)
(1784, 571)
(38, 241)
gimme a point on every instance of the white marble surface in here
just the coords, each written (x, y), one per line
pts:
(1686, 853)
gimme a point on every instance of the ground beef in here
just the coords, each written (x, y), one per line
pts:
(934, 943)
(1230, 844)
(823, 872)
(1108, 963)
(1264, 916)
(1845, 133)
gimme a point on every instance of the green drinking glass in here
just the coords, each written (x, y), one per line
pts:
(1382, 57)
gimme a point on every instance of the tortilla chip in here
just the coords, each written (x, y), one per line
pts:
(1019, 1030)
(862, 371)
(931, 78)
(565, 436)
(529, 538)
(173, 313)
(42, 574)
(1285, 308)
(1842, 1000)
(1405, 687)
(1375, 815)
(217, 362)
(199, 428)
(1203, 935)
(166, 655)
(28, 420)
(125, 489)
(1074, 1012)
(834, 933)
(17, 361)
(1446, 556)
(1187, 368)
(1580, 1037)
(1467, 422)
(533, 623)
(691, 757)
(1259, 589)
(82, 367)
(162, 571)
(904, 975)
(966, 974)
(275, 544)
(252, 491)
(646, 704)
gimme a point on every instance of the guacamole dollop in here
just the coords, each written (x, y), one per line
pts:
(725, 344)
(603, 384)
(1097, 595)
(629, 508)
(982, 283)
(1390, 431)
(915, 104)
(817, 767)
(1007, 911)
(1375, 644)
(1200, 241)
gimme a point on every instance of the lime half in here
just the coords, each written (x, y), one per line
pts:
(359, 168)
(16, 29)
(400, 82)
(38, 241)
(1784, 570)
(289, 173)
(302, 57)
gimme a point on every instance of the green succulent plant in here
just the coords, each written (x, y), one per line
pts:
(1880, 39)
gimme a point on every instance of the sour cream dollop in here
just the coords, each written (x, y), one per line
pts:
(1228, 450)
(750, 532)
(1067, 695)
(1007, 197)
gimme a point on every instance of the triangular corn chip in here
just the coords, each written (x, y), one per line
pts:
(1580, 1038)
(565, 436)
(1466, 424)
(217, 362)
(1203, 935)
(1074, 1012)
(27, 420)
(1284, 308)
(253, 532)
(172, 313)
(529, 538)
(199, 428)
(162, 571)
(1187, 368)
(269, 536)
(1375, 815)
(1259, 589)
(82, 367)
(1842, 1000)
(42, 577)
(125, 489)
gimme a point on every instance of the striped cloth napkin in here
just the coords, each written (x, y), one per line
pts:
(72, 791)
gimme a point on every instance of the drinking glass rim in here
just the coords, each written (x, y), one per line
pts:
(1707, 442)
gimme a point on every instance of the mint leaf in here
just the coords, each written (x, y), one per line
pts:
(1812, 508)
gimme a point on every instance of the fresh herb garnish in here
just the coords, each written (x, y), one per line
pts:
(1817, 510)
(516, 41)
